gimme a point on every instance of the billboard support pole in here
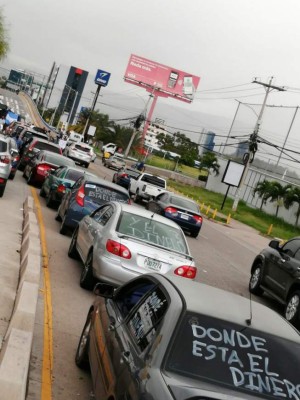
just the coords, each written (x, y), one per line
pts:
(86, 127)
(149, 116)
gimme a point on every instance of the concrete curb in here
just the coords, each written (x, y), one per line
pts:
(15, 354)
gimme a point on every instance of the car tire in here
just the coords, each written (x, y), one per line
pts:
(72, 252)
(57, 216)
(136, 197)
(81, 356)
(86, 277)
(49, 200)
(42, 192)
(2, 190)
(87, 165)
(194, 234)
(292, 309)
(255, 280)
(63, 227)
(30, 179)
(11, 176)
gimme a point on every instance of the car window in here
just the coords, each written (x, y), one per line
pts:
(291, 247)
(240, 358)
(3, 146)
(184, 203)
(82, 148)
(102, 215)
(162, 197)
(73, 175)
(101, 194)
(60, 172)
(77, 184)
(154, 180)
(153, 231)
(146, 317)
(47, 146)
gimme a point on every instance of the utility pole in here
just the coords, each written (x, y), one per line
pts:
(253, 138)
(86, 127)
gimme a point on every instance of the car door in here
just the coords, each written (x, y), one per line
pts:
(90, 226)
(283, 267)
(130, 325)
(69, 197)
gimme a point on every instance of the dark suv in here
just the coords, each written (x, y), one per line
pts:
(33, 147)
(276, 271)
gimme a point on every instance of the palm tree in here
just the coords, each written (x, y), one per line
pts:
(263, 190)
(209, 161)
(277, 193)
(292, 196)
(4, 45)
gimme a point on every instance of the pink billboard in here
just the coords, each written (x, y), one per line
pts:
(161, 79)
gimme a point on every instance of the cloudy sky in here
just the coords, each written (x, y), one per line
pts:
(226, 43)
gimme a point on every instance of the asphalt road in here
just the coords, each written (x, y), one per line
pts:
(223, 255)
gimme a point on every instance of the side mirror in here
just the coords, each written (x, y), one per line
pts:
(274, 244)
(104, 290)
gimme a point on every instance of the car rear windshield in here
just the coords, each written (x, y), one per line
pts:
(236, 357)
(3, 146)
(183, 203)
(56, 159)
(82, 148)
(154, 180)
(101, 194)
(153, 231)
(47, 146)
(73, 175)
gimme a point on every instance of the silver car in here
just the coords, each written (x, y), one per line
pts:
(81, 153)
(6, 148)
(118, 242)
(114, 162)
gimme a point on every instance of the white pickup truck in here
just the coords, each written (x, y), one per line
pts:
(146, 187)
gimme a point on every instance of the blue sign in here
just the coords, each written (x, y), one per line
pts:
(102, 78)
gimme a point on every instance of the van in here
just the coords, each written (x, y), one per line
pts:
(75, 137)
(109, 148)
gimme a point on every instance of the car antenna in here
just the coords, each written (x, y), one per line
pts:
(249, 320)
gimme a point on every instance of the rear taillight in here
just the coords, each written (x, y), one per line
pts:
(118, 249)
(171, 210)
(198, 219)
(5, 159)
(16, 158)
(61, 188)
(43, 169)
(80, 196)
(2, 180)
(186, 272)
(124, 176)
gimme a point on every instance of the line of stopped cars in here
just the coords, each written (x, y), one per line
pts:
(153, 332)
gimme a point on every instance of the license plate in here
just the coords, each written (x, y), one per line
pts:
(152, 264)
(185, 216)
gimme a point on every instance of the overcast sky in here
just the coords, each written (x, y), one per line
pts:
(226, 43)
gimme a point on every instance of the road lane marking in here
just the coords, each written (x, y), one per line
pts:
(47, 368)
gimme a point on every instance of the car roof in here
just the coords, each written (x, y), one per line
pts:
(38, 139)
(224, 305)
(107, 184)
(131, 208)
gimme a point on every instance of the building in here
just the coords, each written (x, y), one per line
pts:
(154, 128)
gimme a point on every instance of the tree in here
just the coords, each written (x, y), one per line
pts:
(4, 45)
(263, 189)
(277, 193)
(209, 161)
(292, 195)
(180, 144)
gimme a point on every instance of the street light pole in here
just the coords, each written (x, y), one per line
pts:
(253, 139)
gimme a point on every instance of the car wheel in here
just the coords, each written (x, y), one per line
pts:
(2, 189)
(11, 176)
(87, 165)
(292, 308)
(30, 179)
(194, 234)
(49, 200)
(42, 192)
(255, 280)
(63, 227)
(72, 252)
(57, 216)
(81, 357)
(136, 197)
(86, 277)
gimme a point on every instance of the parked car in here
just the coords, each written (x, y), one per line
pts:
(118, 241)
(115, 162)
(161, 337)
(5, 161)
(81, 153)
(124, 175)
(276, 271)
(59, 181)
(39, 166)
(34, 146)
(185, 212)
(86, 195)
